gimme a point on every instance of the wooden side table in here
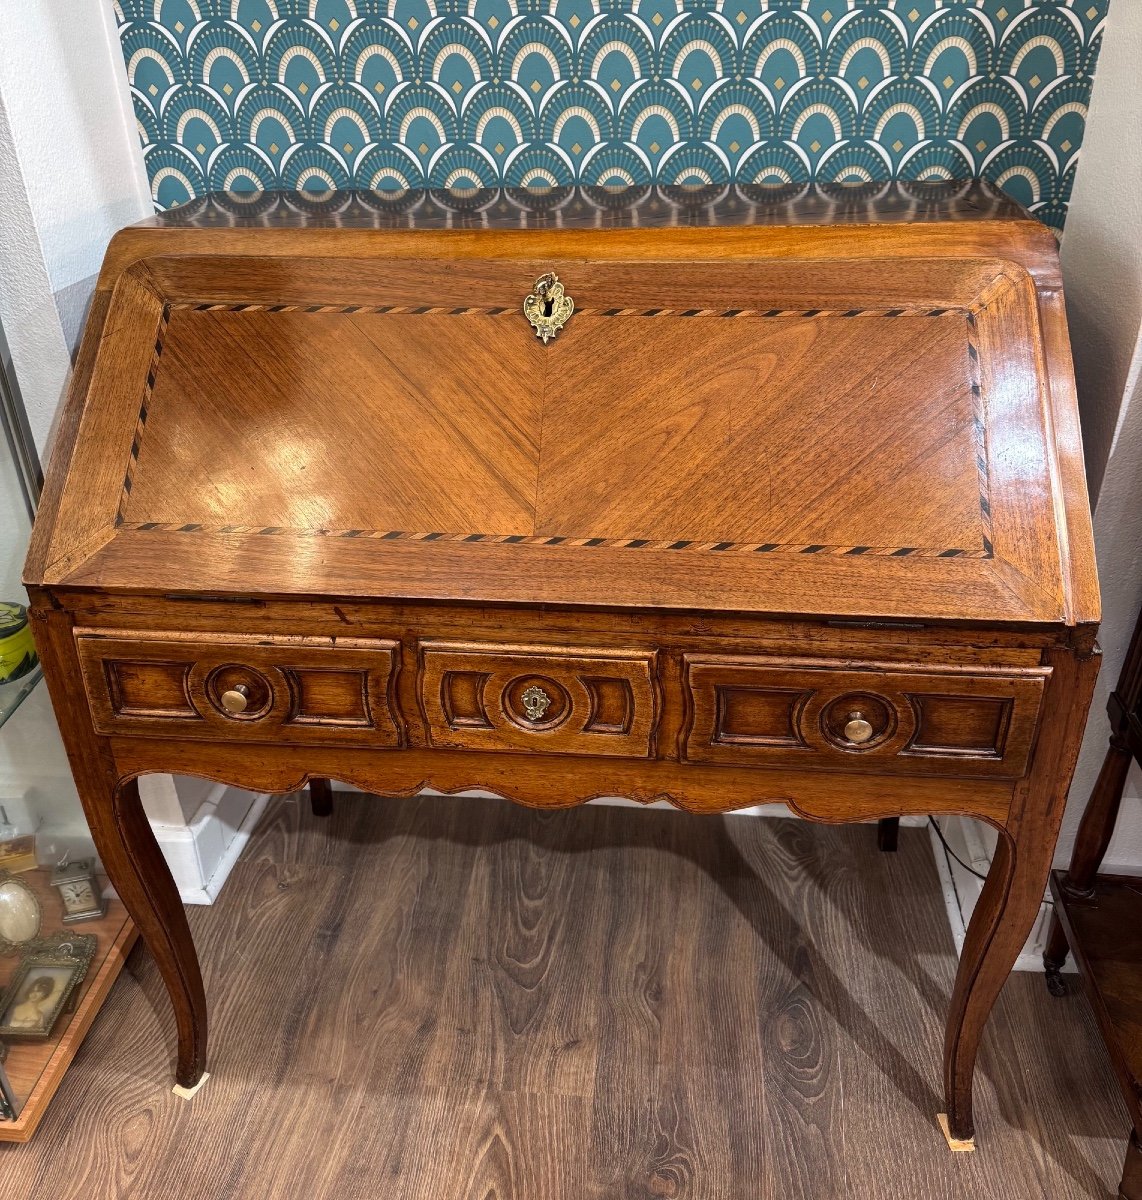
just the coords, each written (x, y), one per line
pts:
(1100, 916)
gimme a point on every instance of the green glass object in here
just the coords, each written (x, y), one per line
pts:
(17, 650)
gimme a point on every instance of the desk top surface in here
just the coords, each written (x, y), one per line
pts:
(598, 208)
(767, 419)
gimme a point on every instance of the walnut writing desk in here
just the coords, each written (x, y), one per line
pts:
(791, 508)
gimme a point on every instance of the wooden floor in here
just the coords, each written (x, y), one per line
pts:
(448, 998)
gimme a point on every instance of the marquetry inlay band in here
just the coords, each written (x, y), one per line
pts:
(428, 310)
(520, 539)
(986, 550)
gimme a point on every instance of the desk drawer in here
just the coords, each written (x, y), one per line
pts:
(548, 700)
(884, 717)
(294, 690)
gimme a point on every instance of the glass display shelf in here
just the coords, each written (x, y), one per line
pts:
(33, 1070)
(38, 799)
(13, 694)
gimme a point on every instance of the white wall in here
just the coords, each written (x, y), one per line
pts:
(1102, 273)
(66, 97)
(71, 174)
(27, 306)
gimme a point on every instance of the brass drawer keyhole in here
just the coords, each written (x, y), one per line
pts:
(548, 308)
(535, 703)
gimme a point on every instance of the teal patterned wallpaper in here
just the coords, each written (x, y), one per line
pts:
(319, 94)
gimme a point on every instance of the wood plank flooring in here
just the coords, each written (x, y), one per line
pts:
(449, 999)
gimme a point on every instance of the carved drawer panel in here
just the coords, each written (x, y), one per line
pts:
(885, 717)
(283, 690)
(545, 699)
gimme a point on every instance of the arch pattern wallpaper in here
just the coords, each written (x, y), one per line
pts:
(459, 94)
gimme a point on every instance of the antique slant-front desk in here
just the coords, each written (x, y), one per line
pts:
(723, 497)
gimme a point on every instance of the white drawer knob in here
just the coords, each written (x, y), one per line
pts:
(235, 699)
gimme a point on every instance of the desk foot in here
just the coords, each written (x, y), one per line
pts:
(1013, 890)
(1053, 973)
(955, 1144)
(188, 1093)
(1055, 957)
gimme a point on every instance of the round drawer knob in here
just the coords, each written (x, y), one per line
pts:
(857, 729)
(235, 699)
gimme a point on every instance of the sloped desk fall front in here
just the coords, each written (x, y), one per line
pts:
(792, 508)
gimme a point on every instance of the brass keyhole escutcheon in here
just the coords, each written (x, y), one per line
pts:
(857, 729)
(535, 702)
(548, 308)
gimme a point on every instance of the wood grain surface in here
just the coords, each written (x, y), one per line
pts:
(232, 380)
(450, 999)
(866, 432)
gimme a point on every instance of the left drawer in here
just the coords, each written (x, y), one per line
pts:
(299, 690)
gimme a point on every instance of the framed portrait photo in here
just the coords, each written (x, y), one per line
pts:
(50, 970)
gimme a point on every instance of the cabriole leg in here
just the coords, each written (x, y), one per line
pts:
(1003, 917)
(140, 874)
(123, 837)
(1013, 890)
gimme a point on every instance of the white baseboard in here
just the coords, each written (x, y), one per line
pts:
(202, 853)
(758, 810)
(961, 888)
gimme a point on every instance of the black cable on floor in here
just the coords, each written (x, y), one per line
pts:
(952, 854)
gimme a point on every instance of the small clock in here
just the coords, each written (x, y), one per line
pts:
(79, 890)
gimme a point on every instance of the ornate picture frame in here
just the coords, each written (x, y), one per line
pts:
(50, 971)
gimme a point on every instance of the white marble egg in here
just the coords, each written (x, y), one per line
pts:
(19, 912)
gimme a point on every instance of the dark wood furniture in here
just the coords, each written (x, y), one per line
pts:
(792, 508)
(1100, 916)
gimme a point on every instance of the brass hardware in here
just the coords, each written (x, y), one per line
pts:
(235, 699)
(548, 308)
(857, 729)
(535, 702)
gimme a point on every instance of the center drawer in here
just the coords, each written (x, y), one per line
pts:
(883, 717)
(549, 700)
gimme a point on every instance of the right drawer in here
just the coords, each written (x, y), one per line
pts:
(885, 717)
